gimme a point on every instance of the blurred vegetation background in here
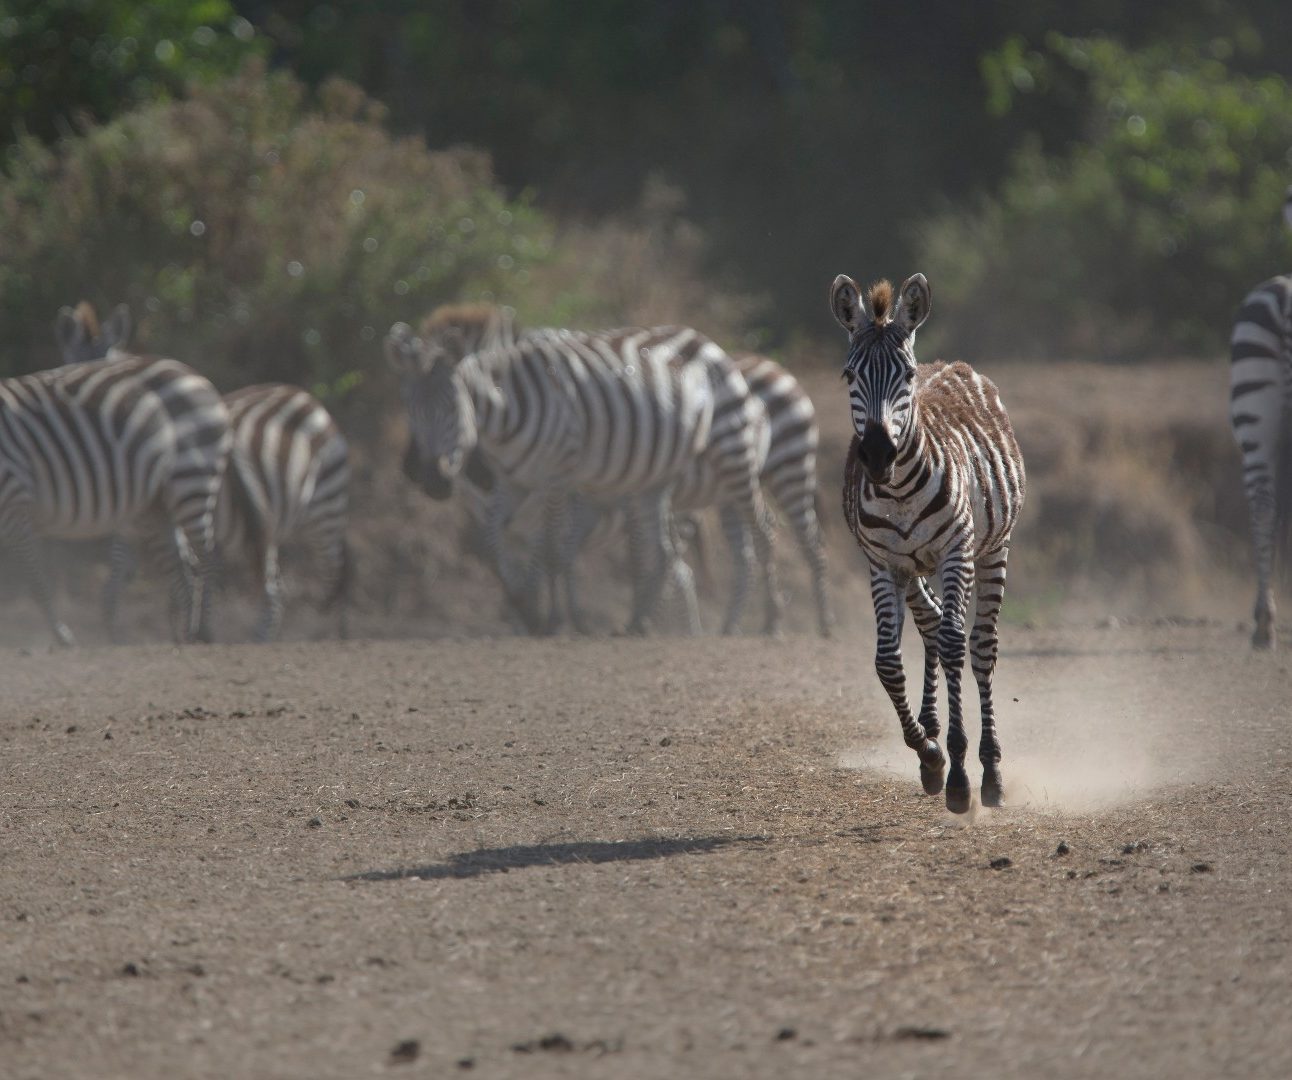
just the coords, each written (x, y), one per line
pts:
(270, 184)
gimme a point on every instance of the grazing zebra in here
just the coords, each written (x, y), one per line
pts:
(932, 488)
(788, 473)
(612, 417)
(1260, 411)
(288, 480)
(97, 450)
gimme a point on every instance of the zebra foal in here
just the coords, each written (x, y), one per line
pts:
(1260, 415)
(932, 488)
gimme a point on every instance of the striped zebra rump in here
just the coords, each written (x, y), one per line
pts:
(94, 450)
(288, 483)
(1260, 400)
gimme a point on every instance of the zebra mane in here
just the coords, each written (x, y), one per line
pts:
(462, 329)
(880, 299)
(85, 315)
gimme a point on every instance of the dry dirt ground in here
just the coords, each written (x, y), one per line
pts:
(664, 858)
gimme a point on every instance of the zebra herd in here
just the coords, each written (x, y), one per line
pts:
(628, 430)
(145, 450)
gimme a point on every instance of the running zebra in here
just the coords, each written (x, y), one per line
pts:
(96, 450)
(288, 481)
(1260, 407)
(932, 488)
(610, 417)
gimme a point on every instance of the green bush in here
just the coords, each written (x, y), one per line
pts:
(256, 232)
(1140, 239)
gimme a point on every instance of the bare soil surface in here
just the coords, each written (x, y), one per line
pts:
(657, 858)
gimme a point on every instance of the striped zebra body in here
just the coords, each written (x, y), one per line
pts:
(1260, 410)
(611, 417)
(288, 482)
(933, 486)
(787, 472)
(97, 450)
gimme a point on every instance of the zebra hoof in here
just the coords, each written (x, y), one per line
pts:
(931, 778)
(958, 797)
(932, 764)
(993, 789)
(64, 636)
(1262, 638)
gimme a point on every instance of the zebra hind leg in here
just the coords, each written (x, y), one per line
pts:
(271, 610)
(123, 566)
(652, 554)
(982, 656)
(956, 575)
(19, 536)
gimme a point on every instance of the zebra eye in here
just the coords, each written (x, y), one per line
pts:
(849, 376)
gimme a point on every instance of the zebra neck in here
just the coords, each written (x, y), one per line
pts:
(486, 384)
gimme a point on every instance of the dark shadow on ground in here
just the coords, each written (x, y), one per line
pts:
(469, 864)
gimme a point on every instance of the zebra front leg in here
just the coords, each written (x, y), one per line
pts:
(761, 522)
(990, 573)
(19, 536)
(928, 618)
(956, 576)
(734, 529)
(651, 552)
(122, 568)
(890, 612)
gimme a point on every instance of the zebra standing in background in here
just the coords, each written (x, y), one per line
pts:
(1260, 411)
(615, 416)
(933, 485)
(288, 480)
(95, 450)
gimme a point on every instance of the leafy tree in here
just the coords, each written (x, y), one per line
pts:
(1142, 236)
(257, 231)
(65, 59)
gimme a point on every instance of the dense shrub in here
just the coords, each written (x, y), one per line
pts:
(1140, 239)
(255, 231)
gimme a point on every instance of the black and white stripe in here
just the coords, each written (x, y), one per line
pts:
(1260, 414)
(288, 483)
(612, 417)
(933, 485)
(1260, 403)
(132, 445)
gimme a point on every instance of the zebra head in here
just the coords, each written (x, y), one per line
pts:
(441, 416)
(80, 336)
(880, 369)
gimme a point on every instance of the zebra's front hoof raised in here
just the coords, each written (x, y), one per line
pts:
(958, 797)
(993, 788)
(932, 764)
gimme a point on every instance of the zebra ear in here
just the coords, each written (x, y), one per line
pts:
(401, 349)
(116, 327)
(914, 300)
(845, 302)
(68, 329)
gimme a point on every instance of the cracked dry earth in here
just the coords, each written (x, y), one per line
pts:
(621, 858)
